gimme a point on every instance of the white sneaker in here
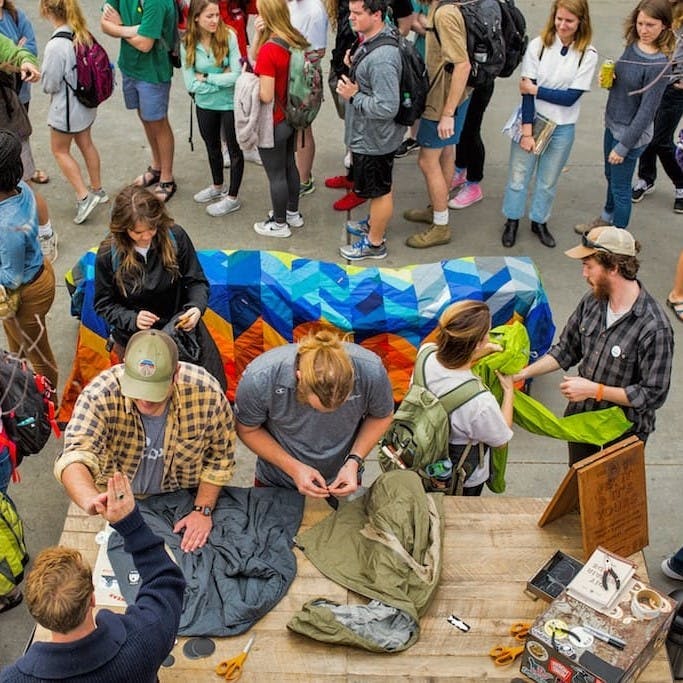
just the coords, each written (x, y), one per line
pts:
(224, 206)
(252, 155)
(270, 228)
(209, 194)
(294, 220)
(102, 196)
(48, 246)
(85, 207)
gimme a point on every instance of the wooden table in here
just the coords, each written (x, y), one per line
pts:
(492, 545)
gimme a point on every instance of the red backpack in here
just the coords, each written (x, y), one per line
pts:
(94, 72)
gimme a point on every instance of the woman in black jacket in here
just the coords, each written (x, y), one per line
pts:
(147, 272)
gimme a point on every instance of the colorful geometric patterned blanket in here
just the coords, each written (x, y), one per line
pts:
(261, 299)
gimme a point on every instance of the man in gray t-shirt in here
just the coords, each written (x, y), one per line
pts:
(304, 439)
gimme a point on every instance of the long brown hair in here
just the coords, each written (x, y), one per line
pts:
(219, 39)
(461, 327)
(655, 9)
(68, 12)
(11, 9)
(275, 15)
(138, 205)
(584, 31)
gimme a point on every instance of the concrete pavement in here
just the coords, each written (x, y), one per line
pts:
(536, 464)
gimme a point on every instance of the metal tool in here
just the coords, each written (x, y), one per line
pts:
(607, 572)
(502, 656)
(520, 630)
(231, 669)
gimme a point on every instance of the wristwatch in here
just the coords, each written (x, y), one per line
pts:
(361, 465)
(204, 509)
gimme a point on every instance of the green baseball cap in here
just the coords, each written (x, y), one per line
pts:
(150, 361)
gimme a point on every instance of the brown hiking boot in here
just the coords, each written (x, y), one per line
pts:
(419, 215)
(431, 237)
(585, 228)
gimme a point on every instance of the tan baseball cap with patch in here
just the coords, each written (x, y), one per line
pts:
(607, 238)
(150, 362)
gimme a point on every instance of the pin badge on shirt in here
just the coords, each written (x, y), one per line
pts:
(616, 351)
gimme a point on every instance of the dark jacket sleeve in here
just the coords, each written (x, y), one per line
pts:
(160, 599)
(107, 299)
(193, 281)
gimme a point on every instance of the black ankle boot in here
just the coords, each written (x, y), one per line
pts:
(541, 229)
(510, 232)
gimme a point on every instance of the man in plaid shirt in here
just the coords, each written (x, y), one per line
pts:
(619, 336)
(165, 424)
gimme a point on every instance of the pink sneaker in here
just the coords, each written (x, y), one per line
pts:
(468, 195)
(459, 178)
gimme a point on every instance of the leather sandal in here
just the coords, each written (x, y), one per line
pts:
(40, 177)
(676, 307)
(150, 177)
(164, 191)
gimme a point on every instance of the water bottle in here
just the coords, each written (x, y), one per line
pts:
(407, 101)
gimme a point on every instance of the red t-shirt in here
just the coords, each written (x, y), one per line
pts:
(234, 17)
(273, 60)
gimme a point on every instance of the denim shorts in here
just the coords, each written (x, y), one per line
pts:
(150, 99)
(428, 136)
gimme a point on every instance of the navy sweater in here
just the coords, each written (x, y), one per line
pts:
(123, 647)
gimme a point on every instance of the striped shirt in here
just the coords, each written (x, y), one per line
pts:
(634, 353)
(106, 434)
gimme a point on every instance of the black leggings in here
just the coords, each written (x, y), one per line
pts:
(211, 123)
(281, 170)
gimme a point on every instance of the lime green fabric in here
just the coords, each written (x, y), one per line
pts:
(596, 427)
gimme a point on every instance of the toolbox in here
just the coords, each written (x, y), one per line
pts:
(554, 654)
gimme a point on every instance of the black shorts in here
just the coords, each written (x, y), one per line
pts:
(372, 174)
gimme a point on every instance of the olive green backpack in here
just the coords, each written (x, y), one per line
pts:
(418, 434)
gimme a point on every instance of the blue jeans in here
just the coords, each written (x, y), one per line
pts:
(618, 202)
(548, 167)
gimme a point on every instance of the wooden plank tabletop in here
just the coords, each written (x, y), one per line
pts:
(492, 546)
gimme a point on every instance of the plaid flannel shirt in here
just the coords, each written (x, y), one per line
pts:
(634, 353)
(106, 434)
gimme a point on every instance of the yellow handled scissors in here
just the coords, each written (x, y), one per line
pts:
(502, 656)
(231, 669)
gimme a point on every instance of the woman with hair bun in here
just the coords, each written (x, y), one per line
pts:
(147, 272)
(463, 338)
(22, 264)
(312, 412)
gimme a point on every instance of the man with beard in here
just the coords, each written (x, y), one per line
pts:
(619, 337)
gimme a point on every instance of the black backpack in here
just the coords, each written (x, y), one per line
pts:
(485, 42)
(514, 35)
(27, 406)
(414, 84)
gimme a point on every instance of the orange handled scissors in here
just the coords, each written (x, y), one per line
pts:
(502, 656)
(520, 630)
(231, 669)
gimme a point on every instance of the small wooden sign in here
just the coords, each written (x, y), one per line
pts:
(610, 492)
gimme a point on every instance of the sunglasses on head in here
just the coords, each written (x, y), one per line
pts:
(594, 245)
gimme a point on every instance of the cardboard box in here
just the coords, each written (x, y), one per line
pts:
(554, 576)
(549, 659)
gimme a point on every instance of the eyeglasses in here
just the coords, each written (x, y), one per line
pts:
(594, 245)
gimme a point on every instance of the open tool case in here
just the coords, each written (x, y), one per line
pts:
(554, 576)
(551, 654)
